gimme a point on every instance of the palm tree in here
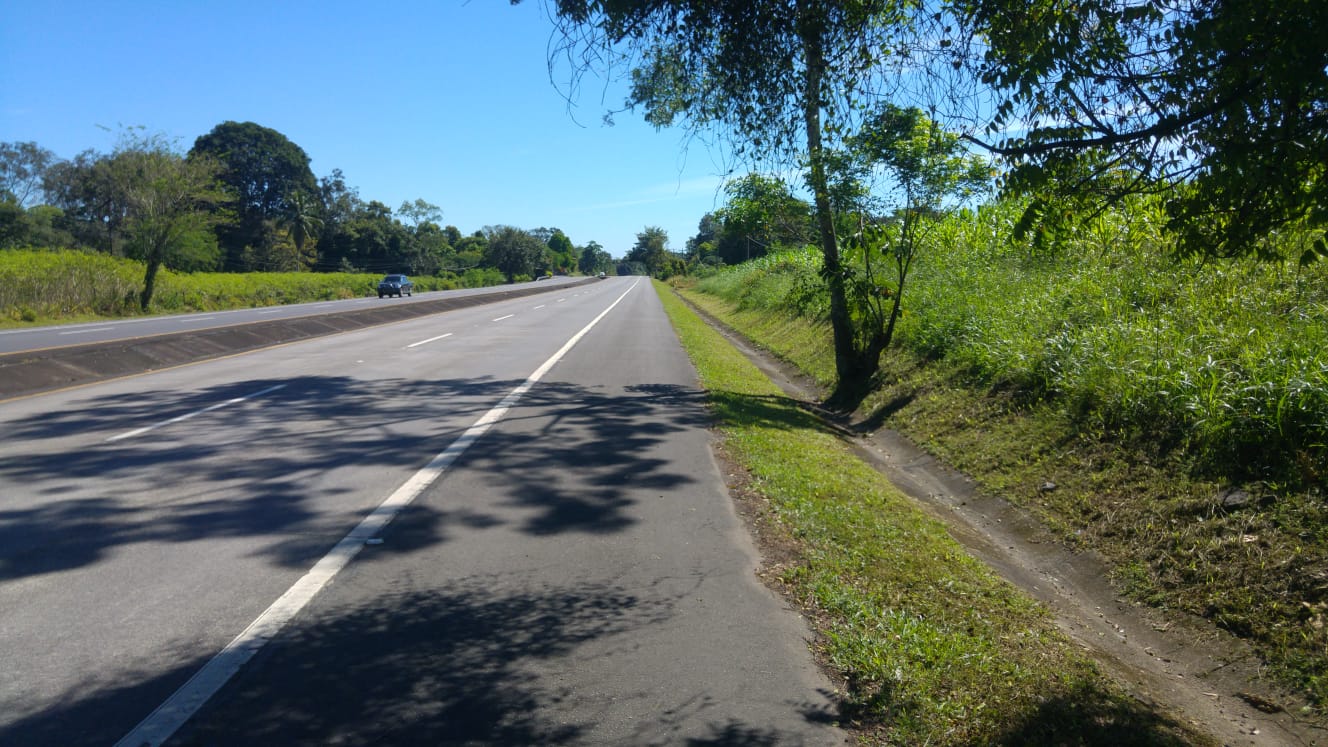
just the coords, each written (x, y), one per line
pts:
(300, 219)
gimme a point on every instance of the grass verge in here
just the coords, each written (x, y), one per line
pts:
(1254, 563)
(934, 647)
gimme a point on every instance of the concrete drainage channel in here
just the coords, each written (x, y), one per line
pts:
(32, 372)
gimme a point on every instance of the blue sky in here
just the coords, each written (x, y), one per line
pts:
(448, 101)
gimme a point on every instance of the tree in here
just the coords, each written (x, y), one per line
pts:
(780, 77)
(166, 198)
(22, 168)
(420, 212)
(651, 250)
(301, 221)
(91, 195)
(1222, 106)
(262, 171)
(594, 259)
(761, 214)
(512, 251)
(927, 166)
(562, 254)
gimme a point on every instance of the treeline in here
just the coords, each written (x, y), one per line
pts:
(244, 199)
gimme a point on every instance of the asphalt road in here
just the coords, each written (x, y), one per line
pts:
(39, 338)
(565, 567)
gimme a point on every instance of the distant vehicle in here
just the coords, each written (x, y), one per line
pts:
(395, 285)
(601, 275)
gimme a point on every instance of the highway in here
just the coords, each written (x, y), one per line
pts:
(496, 525)
(39, 338)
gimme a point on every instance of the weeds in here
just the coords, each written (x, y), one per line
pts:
(1146, 388)
(935, 648)
(44, 286)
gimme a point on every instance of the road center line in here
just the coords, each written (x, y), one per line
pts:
(540, 306)
(171, 715)
(181, 418)
(431, 339)
(499, 319)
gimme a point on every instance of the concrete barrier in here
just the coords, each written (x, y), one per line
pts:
(25, 373)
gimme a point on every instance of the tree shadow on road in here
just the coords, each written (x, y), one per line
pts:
(197, 479)
(450, 665)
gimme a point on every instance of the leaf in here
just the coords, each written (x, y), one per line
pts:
(1318, 250)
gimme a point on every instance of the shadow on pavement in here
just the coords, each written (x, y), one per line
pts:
(450, 666)
(81, 504)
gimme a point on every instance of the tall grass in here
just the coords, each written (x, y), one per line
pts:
(1227, 360)
(39, 285)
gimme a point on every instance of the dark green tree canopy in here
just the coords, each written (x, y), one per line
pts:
(261, 170)
(513, 251)
(1220, 104)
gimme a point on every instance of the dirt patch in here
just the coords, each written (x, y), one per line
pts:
(1181, 665)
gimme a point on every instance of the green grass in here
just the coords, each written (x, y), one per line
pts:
(41, 287)
(1145, 388)
(935, 648)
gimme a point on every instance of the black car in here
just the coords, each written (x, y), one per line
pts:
(395, 285)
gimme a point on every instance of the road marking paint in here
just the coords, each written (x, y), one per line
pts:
(271, 311)
(560, 300)
(431, 339)
(540, 306)
(499, 319)
(185, 702)
(190, 319)
(85, 331)
(182, 418)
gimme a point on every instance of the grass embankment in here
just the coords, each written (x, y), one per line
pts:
(40, 287)
(936, 649)
(1179, 408)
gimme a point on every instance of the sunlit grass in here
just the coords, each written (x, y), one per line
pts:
(935, 647)
(40, 286)
(1145, 388)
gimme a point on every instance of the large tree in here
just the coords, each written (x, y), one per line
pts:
(761, 214)
(651, 250)
(1221, 105)
(779, 77)
(513, 251)
(262, 171)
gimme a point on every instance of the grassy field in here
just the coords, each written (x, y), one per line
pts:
(42, 287)
(1180, 408)
(934, 647)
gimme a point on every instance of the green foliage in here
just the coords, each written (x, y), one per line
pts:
(935, 649)
(761, 215)
(513, 251)
(262, 170)
(651, 252)
(1218, 105)
(1226, 361)
(38, 285)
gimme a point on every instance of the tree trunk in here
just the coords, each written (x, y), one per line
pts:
(149, 282)
(851, 369)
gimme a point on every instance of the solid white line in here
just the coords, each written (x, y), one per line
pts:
(181, 418)
(431, 339)
(85, 331)
(499, 319)
(187, 320)
(171, 715)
